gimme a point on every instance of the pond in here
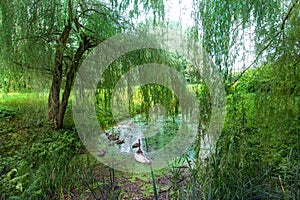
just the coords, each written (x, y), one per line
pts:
(154, 134)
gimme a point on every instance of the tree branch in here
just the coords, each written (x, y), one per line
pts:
(106, 14)
(46, 70)
(288, 14)
(269, 43)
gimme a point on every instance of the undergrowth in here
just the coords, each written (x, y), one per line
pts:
(257, 155)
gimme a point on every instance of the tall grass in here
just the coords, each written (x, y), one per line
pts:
(234, 174)
(153, 183)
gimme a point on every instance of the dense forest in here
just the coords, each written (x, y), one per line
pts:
(115, 100)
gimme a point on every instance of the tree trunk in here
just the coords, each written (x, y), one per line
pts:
(57, 109)
(53, 99)
(84, 45)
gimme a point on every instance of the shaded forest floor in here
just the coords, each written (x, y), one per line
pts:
(35, 158)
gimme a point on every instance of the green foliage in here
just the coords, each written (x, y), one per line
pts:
(7, 112)
(34, 159)
(41, 170)
(226, 23)
(52, 159)
(34, 48)
(145, 96)
(257, 155)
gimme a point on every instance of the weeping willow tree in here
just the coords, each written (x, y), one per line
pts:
(257, 153)
(269, 25)
(144, 98)
(275, 27)
(55, 36)
(225, 23)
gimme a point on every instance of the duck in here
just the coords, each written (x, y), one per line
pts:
(102, 152)
(140, 157)
(136, 145)
(113, 137)
(120, 141)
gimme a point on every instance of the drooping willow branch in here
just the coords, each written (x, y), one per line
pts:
(287, 16)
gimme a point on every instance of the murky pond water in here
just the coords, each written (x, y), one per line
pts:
(153, 134)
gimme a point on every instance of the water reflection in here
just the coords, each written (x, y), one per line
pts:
(138, 128)
(154, 134)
